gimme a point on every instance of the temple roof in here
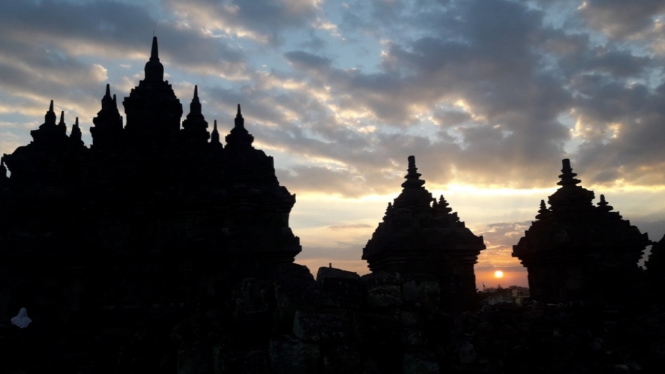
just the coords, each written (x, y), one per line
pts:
(416, 224)
(573, 223)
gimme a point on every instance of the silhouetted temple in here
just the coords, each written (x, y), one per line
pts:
(420, 235)
(149, 216)
(576, 251)
(160, 250)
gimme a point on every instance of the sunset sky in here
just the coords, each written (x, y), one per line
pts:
(488, 95)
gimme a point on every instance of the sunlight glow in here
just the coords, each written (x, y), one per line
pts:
(498, 274)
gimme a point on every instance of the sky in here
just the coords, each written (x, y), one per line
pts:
(488, 95)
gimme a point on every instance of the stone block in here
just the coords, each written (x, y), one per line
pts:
(339, 288)
(289, 355)
(467, 354)
(319, 327)
(292, 283)
(195, 360)
(342, 359)
(414, 337)
(250, 362)
(377, 329)
(424, 294)
(380, 278)
(420, 362)
(384, 296)
(410, 318)
(251, 296)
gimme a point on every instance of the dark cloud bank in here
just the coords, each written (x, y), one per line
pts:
(493, 92)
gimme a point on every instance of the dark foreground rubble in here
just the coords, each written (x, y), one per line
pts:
(345, 323)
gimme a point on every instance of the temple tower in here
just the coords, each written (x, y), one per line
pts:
(153, 111)
(420, 235)
(195, 127)
(107, 132)
(576, 251)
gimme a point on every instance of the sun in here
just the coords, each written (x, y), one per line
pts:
(498, 274)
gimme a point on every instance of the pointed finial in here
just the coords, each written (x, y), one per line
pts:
(108, 90)
(114, 100)
(442, 206)
(567, 176)
(240, 122)
(76, 132)
(412, 162)
(154, 53)
(61, 126)
(49, 117)
(196, 92)
(214, 137)
(412, 177)
(543, 211)
(604, 205)
(154, 70)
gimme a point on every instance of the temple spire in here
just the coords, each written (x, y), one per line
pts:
(195, 107)
(49, 118)
(61, 125)
(239, 135)
(567, 176)
(154, 52)
(543, 211)
(108, 90)
(239, 121)
(412, 177)
(154, 70)
(214, 137)
(76, 132)
(195, 127)
(604, 205)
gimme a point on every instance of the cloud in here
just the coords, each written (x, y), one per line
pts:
(621, 19)
(259, 20)
(301, 59)
(350, 226)
(482, 93)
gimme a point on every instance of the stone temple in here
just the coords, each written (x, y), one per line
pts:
(420, 235)
(150, 216)
(159, 249)
(576, 251)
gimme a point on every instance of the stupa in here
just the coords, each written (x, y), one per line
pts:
(422, 235)
(576, 251)
(149, 216)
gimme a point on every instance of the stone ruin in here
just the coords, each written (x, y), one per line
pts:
(420, 235)
(576, 251)
(160, 250)
(149, 217)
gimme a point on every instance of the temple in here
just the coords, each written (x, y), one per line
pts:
(420, 235)
(576, 251)
(149, 216)
(161, 248)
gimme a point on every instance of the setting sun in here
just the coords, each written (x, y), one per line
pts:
(498, 274)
